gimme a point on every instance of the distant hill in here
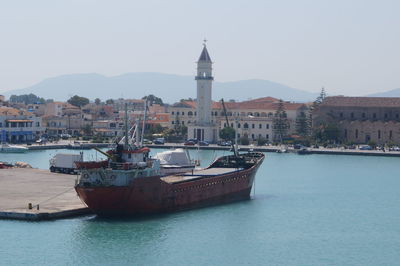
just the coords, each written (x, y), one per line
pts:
(391, 93)
(170, 88)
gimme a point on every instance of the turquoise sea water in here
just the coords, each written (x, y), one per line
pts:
(307, 210)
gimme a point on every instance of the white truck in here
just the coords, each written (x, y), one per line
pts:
(65, 163)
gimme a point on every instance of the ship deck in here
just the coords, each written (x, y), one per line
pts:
(199, 174)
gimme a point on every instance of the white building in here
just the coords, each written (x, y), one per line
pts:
(19, 126)
(204, 128)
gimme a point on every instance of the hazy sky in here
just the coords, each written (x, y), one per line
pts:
(350, 47)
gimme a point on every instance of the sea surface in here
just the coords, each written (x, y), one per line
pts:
(305, 210)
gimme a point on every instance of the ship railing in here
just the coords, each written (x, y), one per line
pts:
(131, 166)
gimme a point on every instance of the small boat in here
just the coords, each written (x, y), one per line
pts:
(175, 161)
(7, 148)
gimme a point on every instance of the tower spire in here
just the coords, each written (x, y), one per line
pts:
(204, 56)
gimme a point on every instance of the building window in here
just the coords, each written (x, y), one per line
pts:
(246, 125)
(374, 115)
(390, 134)
(345, 133)
(352, 115)
(231, 124)
(267, 136)
(252, 126)
(341, 115)
(363, 115)
(386, 116)
(172, 112)
(177, 113)
(172, 122)
(379, 134)
(238, 125)
(252, 136)
(238, 135)
(397, 116)
(190, 113)
(356, 133)
(260, 126)
(267, 126)
(183, 113)
(224, 124)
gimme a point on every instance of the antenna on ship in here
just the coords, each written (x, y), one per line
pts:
(227, 124)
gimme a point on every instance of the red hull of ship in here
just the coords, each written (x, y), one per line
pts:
(153, 195)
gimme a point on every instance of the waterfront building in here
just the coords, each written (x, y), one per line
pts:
(362, 119)
(17, 126)
(252, 119)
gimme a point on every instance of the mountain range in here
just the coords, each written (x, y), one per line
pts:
(171, 88)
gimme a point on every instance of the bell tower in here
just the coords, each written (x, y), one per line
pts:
(204, 129)
(204, 80)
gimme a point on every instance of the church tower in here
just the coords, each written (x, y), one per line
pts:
(204, 80)
(204, 128)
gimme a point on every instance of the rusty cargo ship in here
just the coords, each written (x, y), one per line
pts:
(128, 189)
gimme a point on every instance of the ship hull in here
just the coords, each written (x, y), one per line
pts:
(154, 195)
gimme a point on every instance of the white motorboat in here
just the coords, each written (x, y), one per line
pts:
(5, 147)
(175, 161)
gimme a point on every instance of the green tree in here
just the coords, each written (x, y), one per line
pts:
(190, 99)
(327, 132)
(151, 99)
(87, 129)
(78, 101)
(26, 99)
(110, 101)
(261, 141)
(302, 125)
(227, 133)
(97, 101)
(244, 140)
(280, 122)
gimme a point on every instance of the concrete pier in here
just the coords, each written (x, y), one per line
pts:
(54, 193)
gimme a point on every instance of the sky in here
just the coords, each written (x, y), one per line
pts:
(350, 47)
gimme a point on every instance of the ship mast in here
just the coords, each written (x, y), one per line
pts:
(144, 122)
(126, 144)
(227, 124)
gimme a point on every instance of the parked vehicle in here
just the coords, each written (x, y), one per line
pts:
(298, 146)
(203, 143)
(159, 141)
(65, 163)
(224, 143)
(365, 148)
(189, 143)
(193, 140)
(65, 136)
(146, 141)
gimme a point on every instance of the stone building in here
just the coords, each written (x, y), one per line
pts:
(362, 119)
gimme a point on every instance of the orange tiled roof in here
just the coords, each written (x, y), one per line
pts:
(268, 103)
(342, 101)
(12, 111)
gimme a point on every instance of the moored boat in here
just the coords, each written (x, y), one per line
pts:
(7, 148)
